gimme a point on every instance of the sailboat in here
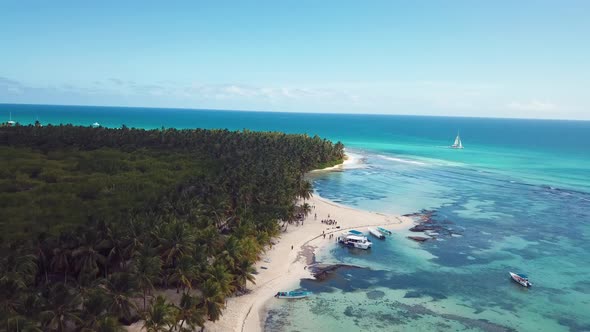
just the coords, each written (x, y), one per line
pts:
(457, 144)
(10, 122)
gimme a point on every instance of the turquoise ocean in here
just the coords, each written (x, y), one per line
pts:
(517, 198)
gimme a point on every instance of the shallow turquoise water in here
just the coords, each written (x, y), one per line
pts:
(518, 195)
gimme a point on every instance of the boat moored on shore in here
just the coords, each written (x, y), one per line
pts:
(376, 233)
(355, 241)
(292, 294)
(384, 231)
(355, 232)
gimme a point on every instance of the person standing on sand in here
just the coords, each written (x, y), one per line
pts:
(291, 247)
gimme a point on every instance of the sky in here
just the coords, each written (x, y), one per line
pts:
(526, 59)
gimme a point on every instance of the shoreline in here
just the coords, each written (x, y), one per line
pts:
(284, 263)
(281, 268)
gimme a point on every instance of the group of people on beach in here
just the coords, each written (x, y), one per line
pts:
(329, 222)
(329, 235)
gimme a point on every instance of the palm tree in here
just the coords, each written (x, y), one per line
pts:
(146, 268)
(232, 251)
(305, 190)
(220, 274)
(108, 324)
(306, 209)
(42, 252)
(120, 289)
(160, 316)
(176, 240)
(18, 269)
(243, 273)
(250, 248)
(184, 273)
(62, 309)
(94, 307)
(189, 313)
(212, 301)
(87, 256)
(61, 261)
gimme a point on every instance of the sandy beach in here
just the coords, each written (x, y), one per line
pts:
(284, 263)
(281, 267)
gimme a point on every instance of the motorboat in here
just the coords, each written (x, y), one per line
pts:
(384, 231)
(292, 295)
(376, 233)
(355, 241)
(95, 125)
(355, 232)
(520, 278)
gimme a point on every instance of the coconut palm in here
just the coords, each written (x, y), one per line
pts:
(189, 313)
(305, 208)
(146, 269)
(160, 316)
(305, 190)
(213, 299)
(18, 269)
(220, 274)
(120, 289)
(87, 256)
(184, 273)
(61, 261)
(62, 311)
(108, 324)
(176, 240)
(94, 307)
(243, 273)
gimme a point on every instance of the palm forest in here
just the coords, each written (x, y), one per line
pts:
(96, 224)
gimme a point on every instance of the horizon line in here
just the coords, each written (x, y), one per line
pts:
(298, 112)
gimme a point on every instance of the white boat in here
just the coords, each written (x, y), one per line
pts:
(355, 232)
(292, 295)
(384, 231)
(10, 122)
(95, 125)
(355, 241)
(457, 144)
(376, 233)
(520, 278)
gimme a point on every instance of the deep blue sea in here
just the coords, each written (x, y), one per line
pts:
(517, 198)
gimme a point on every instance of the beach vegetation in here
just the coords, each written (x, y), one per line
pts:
(97, 223)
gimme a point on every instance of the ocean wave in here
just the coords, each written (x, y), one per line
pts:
(400, 160)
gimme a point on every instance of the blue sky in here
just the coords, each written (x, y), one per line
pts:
(467, 58)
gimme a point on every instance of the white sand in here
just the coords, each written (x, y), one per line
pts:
(282, 267)
(285, 267)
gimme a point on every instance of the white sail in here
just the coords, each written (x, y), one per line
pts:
(458, 144)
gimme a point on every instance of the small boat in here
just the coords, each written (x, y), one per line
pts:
(355, 241)
(95, 125)
(10, 122)
(457, 144)
(376, 233)
(355, 232)
(384, 231)
(292, 295)
(520, 278)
